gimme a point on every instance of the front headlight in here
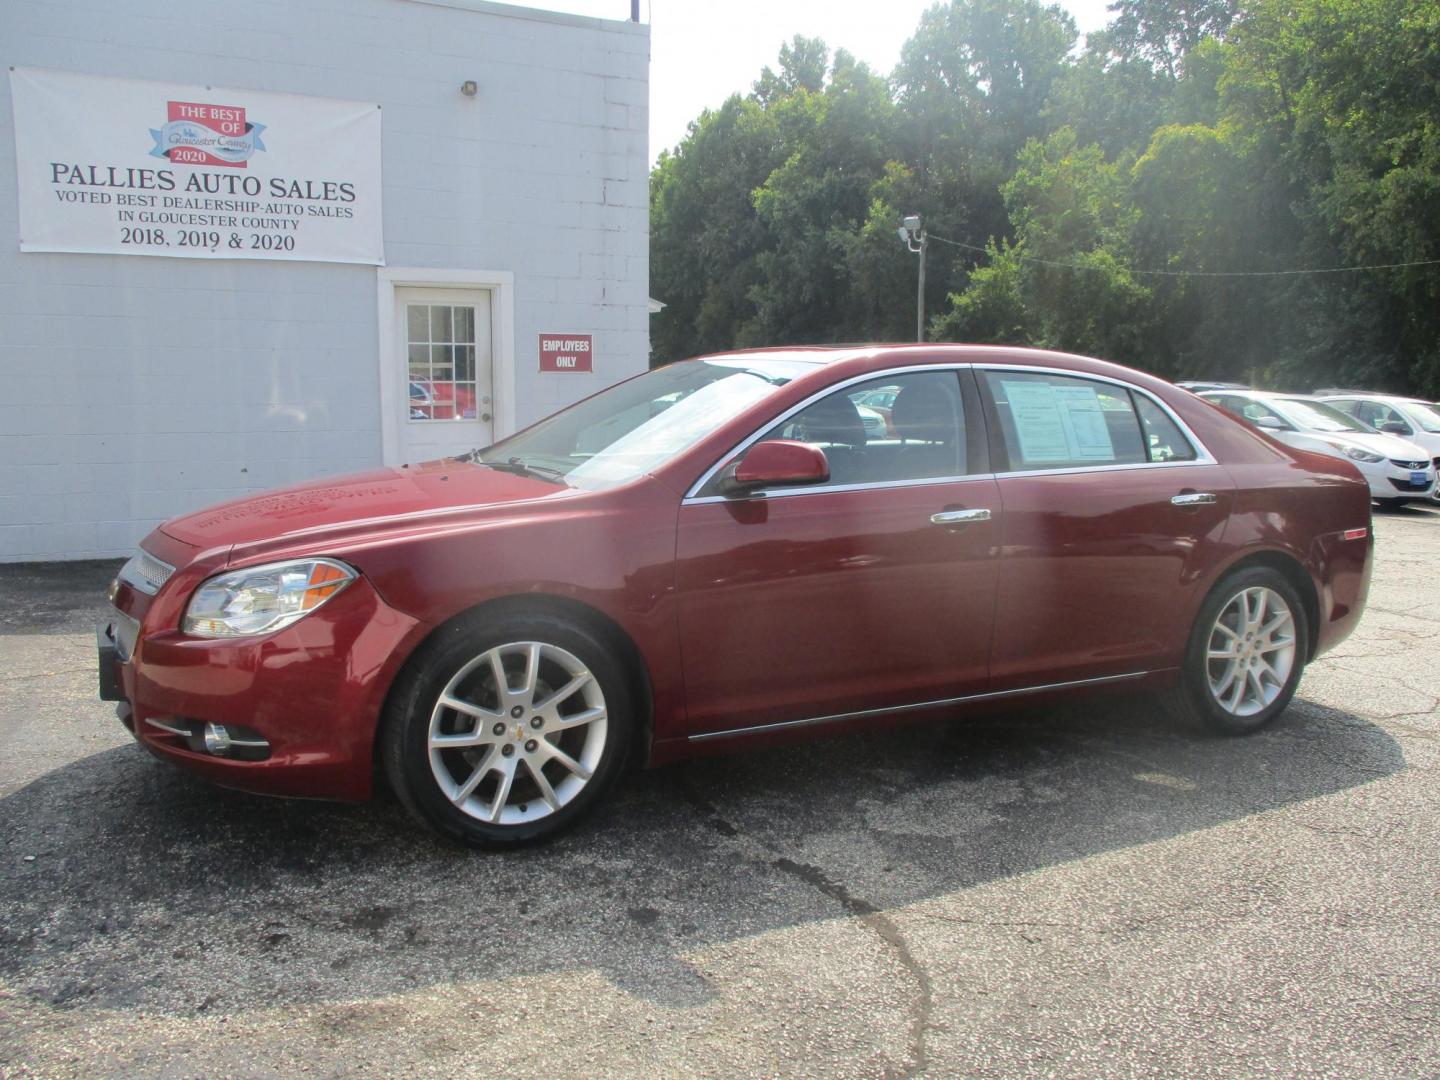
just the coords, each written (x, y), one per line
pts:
(1360, 454)
(262, 599)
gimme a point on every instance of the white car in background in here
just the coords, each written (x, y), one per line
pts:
(1409, 418)
(1398, 470)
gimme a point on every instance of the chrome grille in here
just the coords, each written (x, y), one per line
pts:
(1410, 464)
(145, 572)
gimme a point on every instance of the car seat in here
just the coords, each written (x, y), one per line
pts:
(927, 420)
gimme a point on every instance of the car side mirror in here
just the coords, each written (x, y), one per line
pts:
(776, 463)
(1395, 427)
(1270, 423)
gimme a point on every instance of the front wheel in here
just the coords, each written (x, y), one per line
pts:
(505, 731)
(1245, 654)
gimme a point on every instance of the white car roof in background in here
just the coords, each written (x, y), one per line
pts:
(1372, 397)
(1261, 394)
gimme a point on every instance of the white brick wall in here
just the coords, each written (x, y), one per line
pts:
(135, 388)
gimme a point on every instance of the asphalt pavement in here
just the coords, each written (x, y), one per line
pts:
(1087, 891)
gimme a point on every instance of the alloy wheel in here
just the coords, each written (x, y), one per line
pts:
(517, 733)
(1251, 651)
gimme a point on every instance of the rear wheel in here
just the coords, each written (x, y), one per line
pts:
(506, 731)
(1245, 654)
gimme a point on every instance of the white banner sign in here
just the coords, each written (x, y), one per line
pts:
(119, 166)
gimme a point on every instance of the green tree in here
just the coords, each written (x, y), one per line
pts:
(1165, 32)
(705, 240)
(1337, 103)
(970, 88)
(803, 64)
(1111, 102)
(816, 202)
(1065, 282)
(1160, 197)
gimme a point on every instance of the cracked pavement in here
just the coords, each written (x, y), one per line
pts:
(1077, 891)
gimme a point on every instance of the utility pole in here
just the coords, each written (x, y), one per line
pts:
(913, 234)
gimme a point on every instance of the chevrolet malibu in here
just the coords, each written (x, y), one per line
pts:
(719, 553)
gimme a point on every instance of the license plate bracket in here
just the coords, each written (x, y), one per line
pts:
(108, 659)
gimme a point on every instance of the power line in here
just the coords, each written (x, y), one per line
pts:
(1198, 273)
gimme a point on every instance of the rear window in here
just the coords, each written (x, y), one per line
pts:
(1062, 421)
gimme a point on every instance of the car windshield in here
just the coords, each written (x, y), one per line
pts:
(635, 426)
(1316, 415)
(1424, 414)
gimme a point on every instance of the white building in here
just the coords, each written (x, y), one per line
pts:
(273, 324)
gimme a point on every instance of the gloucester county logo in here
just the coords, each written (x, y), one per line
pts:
(207, 135)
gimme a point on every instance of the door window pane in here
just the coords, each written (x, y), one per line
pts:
(441, 354)
(1065, 422)
(919, 435)
(1253, 410)
(1163, 439)
(1384, 414)
(464, 324)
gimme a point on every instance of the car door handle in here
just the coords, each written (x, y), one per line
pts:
(1194, 498)
(959, 517)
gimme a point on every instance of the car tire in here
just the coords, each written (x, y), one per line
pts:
(498, 768)
(1253, 628)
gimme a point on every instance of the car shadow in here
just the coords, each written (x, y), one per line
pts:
(1416, 510)
(126, 884)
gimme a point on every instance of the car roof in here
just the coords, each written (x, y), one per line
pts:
(879, 356)
(1360, 396)
(1264, 395)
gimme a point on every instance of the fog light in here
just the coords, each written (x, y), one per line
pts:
(217, 739)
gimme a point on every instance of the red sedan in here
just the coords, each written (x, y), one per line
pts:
(718, 553)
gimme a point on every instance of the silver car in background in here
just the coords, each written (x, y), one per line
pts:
(1397, 470)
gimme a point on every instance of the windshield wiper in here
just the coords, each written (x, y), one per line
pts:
(518, 467)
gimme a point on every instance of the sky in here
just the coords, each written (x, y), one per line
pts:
(702, 51)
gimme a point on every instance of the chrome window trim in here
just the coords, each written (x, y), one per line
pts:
(1068, 469)
(835, 718)
(825, 489)
(1202, 452)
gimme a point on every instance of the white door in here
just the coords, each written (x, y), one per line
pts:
(443, 367)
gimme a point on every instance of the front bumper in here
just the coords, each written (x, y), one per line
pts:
(1389, 482)
(312, 692)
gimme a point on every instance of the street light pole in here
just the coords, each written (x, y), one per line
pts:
(920, 292)
(917, 241)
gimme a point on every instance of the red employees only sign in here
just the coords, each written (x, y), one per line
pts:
(565, 352)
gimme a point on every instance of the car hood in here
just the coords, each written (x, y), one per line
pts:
(1391, 446)
(357, 503)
